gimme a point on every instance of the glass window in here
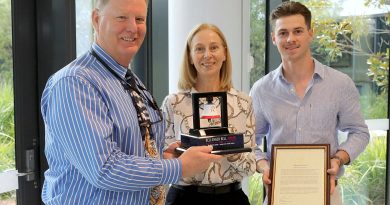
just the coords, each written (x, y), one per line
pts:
(257, 39)
(7, 132)
(257, 49)
(84, 29)
(353, 36)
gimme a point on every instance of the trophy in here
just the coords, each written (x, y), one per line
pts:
(208, 109)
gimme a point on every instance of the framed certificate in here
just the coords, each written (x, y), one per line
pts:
(298, 174)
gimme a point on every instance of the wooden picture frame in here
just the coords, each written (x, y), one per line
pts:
(299, 174)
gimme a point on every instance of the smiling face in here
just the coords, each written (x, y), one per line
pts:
(208, 53)
(120, 28)
(292, 37)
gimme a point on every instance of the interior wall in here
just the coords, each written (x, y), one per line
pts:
(228, 15)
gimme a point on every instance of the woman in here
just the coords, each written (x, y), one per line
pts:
(207, 67)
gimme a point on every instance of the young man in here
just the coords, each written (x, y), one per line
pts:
(104, 132)
(304, 101)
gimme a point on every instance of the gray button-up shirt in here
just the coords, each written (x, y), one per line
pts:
(331, 103)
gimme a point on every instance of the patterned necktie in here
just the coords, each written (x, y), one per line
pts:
(157, 195)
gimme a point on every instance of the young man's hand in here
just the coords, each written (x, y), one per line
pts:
(262, 166)
(336, 162)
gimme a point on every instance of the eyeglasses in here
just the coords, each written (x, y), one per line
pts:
(213, 48)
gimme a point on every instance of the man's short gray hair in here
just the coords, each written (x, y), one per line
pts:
(100, 4)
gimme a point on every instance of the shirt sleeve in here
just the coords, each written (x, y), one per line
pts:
(168, 114)
(262, 125)
(352, 121)
(79, 120)
(245, 162)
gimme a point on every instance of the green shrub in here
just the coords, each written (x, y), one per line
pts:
(7, 196)
(7, 131)
(374, 106)
(364, 180)
(5, 41)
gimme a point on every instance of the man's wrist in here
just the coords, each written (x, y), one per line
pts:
(262, 165)
(339, 159)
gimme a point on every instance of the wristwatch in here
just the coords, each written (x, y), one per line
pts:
(341, 161)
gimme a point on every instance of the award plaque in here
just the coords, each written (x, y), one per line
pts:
(298, 174)
(208, 108)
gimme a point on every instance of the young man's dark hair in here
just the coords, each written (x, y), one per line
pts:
(289, 8)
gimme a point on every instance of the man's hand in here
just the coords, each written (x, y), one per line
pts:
(262, 166)
(197, 159)
(340, 158)
(334, 169)
(170, 152)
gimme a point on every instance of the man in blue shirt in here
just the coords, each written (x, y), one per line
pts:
(304, 101)
(95, 147)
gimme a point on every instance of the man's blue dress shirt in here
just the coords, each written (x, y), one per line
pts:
(93, 143)
(331, 103)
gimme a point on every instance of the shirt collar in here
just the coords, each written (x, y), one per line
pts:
(193, 90)
(279, 73)
(231, 91)
(319, 71)
(115, 66)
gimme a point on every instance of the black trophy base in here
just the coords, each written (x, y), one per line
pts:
(226, 143)
(220, 152)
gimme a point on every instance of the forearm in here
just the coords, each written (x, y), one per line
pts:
(352, 122)
(262, 165)
(136, 173)
(103, 165)
(79, 124)
(355, 144)
(342, 157)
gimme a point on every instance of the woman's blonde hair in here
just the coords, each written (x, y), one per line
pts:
(188, 73)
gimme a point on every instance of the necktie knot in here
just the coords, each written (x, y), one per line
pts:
(130, 78)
